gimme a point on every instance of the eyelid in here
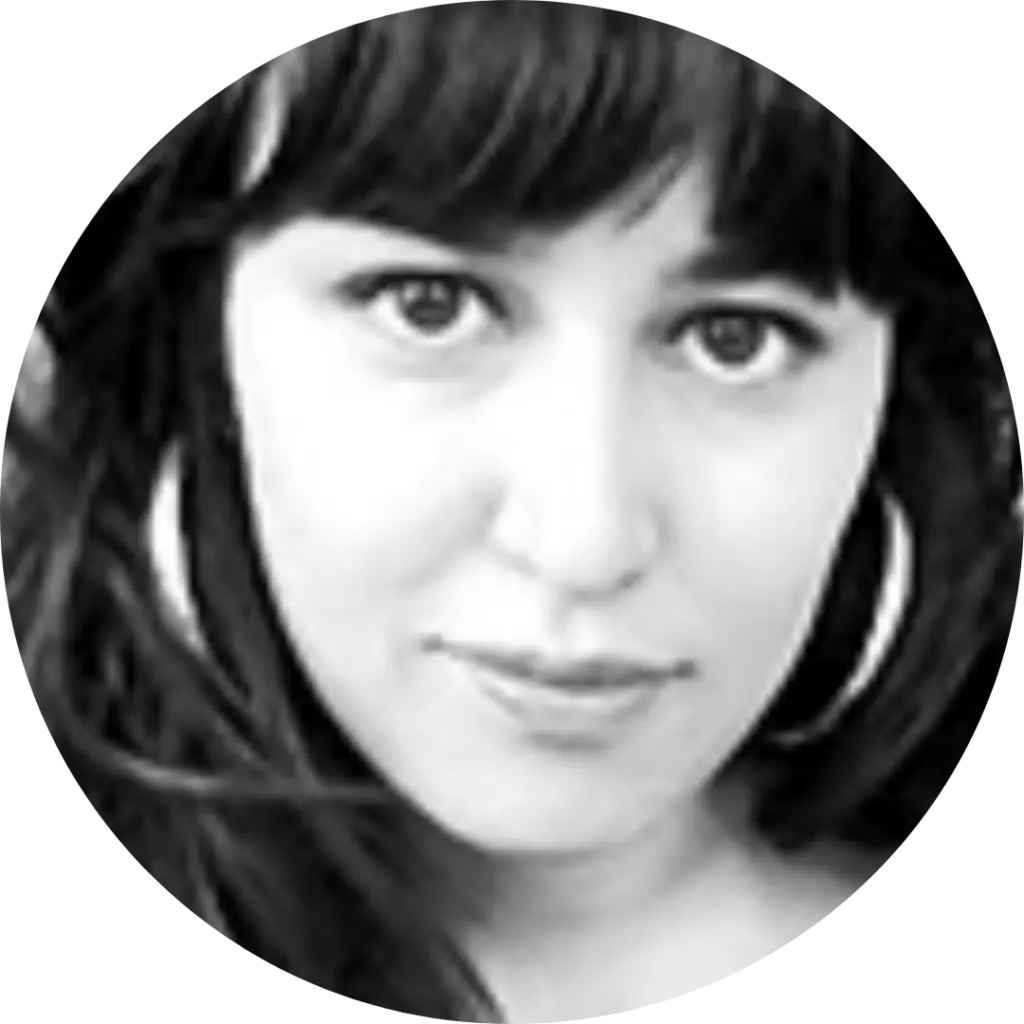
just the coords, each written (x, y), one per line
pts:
(369, 286)
(366, 288)
(366, 285)
(797, 343)
(808, 338)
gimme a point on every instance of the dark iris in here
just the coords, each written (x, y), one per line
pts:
(429, 304)
(734, 339)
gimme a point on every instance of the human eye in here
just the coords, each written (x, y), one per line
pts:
(424, 310)
(743, 346)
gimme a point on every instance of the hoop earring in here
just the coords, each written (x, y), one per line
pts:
(893, 598)
(165, 546)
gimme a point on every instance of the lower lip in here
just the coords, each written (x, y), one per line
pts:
(560, 713)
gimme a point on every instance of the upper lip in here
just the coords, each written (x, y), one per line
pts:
(531, 665)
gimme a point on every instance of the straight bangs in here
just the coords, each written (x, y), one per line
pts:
(468, 122)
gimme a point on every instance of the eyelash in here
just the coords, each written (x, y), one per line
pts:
(803, 340)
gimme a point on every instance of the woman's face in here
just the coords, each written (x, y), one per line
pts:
(475, 473)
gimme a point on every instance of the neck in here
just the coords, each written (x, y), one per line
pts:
(518, 893)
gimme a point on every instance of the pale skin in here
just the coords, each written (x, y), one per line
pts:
(565, 457)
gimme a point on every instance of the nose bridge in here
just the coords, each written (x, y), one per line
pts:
(576, 504)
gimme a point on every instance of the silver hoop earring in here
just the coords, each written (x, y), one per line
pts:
(166, 547)
(893, 598)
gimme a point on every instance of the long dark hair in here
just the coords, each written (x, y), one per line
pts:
(216, 766)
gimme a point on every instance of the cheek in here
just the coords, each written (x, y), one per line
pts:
(782, 512)
(348, 492)
(344, 474)
(772, 527)
(769, 581)
(349, 543)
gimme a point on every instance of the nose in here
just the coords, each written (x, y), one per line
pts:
(577, 509)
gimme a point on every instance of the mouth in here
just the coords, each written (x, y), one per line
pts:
(582, 674)
(573, 717)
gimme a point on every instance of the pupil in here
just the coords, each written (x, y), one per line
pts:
(430, 305)
(734, 340)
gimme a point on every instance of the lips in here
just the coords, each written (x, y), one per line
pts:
(583, 675)
(566, 718)
(578, 684)
(580, 681)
